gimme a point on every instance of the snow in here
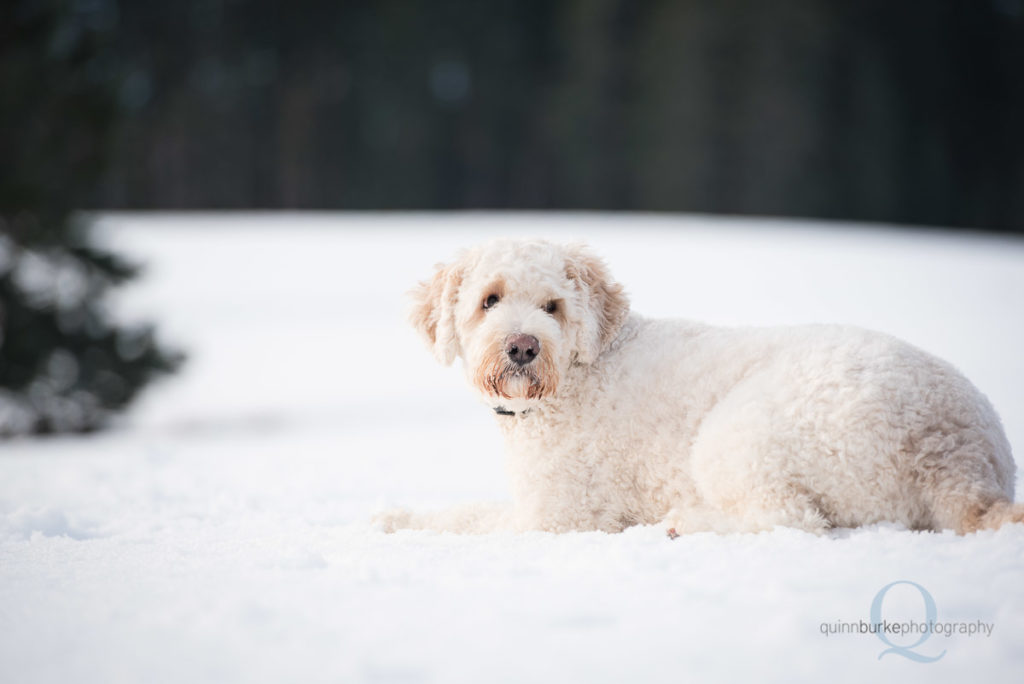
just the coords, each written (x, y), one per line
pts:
(220, 533)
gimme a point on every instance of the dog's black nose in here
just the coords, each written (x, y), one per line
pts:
(521, 349)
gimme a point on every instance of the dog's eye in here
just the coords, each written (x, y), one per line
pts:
(551, 307)
(491, 301)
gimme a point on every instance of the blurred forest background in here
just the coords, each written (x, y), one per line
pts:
(906, 111)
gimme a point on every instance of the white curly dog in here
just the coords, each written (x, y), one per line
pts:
(612, 419)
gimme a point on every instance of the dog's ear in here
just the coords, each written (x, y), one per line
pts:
(604, 300)
(433, 311)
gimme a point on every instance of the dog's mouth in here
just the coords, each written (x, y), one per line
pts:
(503, 383)
(512, 381)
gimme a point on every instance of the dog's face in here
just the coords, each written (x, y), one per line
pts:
(519, 313)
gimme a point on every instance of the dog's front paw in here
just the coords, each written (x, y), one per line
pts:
(392, 520)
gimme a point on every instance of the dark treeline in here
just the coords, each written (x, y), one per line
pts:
(907, 111)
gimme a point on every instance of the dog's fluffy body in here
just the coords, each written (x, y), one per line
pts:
(622, 420)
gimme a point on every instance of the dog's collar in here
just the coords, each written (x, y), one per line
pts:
(502, 411)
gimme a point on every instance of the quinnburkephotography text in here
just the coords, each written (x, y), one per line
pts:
(910, 633)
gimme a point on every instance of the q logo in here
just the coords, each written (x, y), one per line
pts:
(929, 614)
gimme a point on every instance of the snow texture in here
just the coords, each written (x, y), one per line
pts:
(220, 533)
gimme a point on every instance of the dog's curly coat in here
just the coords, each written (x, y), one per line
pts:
(613, 420)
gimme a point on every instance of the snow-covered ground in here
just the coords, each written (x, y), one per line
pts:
(221, 533)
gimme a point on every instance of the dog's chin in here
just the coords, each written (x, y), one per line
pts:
(519, 385)
(502, 383)
(516, 393)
